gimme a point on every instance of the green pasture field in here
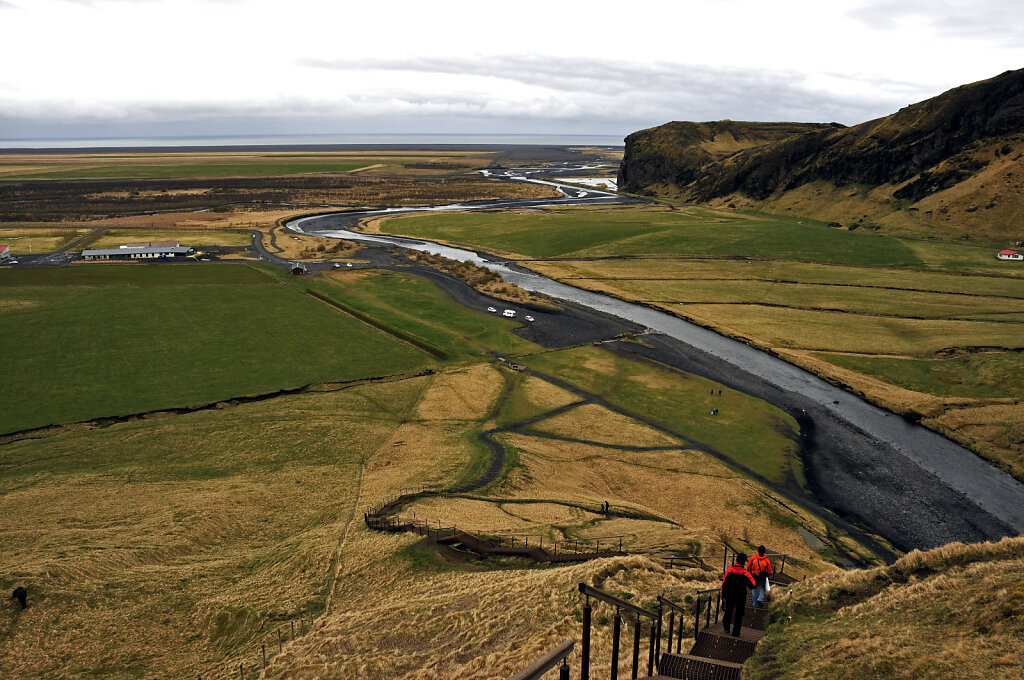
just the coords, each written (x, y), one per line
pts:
(981, 375)
(691, 232)
(105, 340)
(660, 269)
(860, 300)
(644, 231)
(746, 430)
(419, 307)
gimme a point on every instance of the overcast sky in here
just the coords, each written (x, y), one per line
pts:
(127, 68)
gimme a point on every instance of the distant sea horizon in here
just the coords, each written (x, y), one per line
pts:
(314, 140)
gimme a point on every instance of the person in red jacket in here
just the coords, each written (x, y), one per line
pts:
(735, 584)
(760, 567)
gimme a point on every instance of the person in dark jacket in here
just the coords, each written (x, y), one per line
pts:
(735, 584)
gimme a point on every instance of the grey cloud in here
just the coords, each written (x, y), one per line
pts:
(610, 88)
(999, 21)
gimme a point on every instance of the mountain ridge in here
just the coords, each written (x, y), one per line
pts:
(944, 158)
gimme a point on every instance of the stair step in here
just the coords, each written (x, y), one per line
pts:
(715, 643)
(690, 667)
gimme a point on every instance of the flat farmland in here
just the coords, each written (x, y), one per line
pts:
(814, 294)
(108, 340)
(113, 238)
(219, 164)
(23, 241)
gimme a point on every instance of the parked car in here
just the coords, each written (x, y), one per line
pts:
(509, 313)
(492, 310)
(529, 318)
(337, 265)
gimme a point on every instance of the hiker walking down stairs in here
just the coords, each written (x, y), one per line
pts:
(735, 584)
(760, 567)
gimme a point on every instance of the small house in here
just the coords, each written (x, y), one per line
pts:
(5, 253)
(1009, 255)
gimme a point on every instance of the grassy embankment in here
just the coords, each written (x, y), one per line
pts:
(250, 511)
(953, 612)
(892, 318)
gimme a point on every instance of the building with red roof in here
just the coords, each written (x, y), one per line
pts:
(1009, 255)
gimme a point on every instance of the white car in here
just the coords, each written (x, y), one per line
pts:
(529, 318)
(492, 310)
(509, 313)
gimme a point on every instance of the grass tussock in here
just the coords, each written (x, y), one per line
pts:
(953, 612)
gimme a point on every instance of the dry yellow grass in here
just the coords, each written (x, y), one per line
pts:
(35, 241)
(591, 422)
(450, 624)
(465, 393)
(953, 612)
(996, 430)
(684, 486)
(187, 237)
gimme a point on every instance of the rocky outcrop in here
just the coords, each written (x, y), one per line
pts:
(676, 153)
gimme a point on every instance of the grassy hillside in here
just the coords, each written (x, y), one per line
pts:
(953, 612)
(951, 164)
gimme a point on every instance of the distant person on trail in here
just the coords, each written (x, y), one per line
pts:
(760, 567)
(735, 584)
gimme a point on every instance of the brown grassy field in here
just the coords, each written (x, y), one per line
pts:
(113, 238)
(25, 241)
(953, 612)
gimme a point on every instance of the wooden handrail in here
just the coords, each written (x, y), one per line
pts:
(542, 665)
(590, 591)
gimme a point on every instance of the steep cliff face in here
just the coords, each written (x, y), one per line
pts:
(947, 158)
(674, 153)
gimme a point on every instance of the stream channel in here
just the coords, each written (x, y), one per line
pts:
(891, 477)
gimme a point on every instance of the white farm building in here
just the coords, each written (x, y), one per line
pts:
(149, 253)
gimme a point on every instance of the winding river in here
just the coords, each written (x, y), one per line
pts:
(900, 480)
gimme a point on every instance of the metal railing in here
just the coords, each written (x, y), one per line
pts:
(674, 609)
(620, 605)
(538, 668)
(702, 605)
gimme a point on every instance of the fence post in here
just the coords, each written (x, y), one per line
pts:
(616, 624)
(783, 569)
(597, 548)
(263, 647)
(280, 644)
(620, 543)
(585, 646)
(696, 615)
(293, 628)
(241, 671)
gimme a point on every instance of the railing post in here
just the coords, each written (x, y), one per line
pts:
(718, 604)
(563, 671)
(597, 548)
(657, 637)
(783, 569)
(620, 543)
(585, 646)
(636, 647)
(696, 616)
(671, 627)
(650, 650)
(616, 624)
(679, 635)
